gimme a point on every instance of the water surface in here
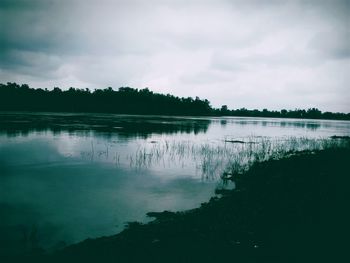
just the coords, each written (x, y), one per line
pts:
(68, 177)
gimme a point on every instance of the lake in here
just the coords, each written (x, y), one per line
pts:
(67, 177)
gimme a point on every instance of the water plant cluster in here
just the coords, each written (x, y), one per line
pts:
(213, 160)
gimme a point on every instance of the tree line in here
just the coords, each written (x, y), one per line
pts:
(126, 100)
(311, 113)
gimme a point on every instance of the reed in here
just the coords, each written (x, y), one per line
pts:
(212, 160)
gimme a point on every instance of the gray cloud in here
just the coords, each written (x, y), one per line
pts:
(253, 54)
(334, 44)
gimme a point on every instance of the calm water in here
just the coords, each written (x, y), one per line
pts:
(67, 177)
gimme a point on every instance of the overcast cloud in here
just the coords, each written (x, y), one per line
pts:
(253, 54)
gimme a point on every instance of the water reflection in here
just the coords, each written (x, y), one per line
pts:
(130, 126)
(67, 177)
(312, 125)
(21, 124)
(223, 122)
(48, 199)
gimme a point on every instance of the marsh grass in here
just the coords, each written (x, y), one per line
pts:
(212, 160)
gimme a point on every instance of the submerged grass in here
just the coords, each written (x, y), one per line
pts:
(229, 156)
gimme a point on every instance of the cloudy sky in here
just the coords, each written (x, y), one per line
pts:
(253, 54)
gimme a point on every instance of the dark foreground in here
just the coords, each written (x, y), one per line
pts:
(290, 210)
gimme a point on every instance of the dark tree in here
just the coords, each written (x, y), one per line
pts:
(126, 100)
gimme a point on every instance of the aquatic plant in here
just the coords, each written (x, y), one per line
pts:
(232, 156)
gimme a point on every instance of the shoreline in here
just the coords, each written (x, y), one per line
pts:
(83, 113)
(286, 210)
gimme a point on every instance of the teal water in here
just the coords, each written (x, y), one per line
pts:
(68, 177)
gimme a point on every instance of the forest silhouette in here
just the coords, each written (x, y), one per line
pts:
(126, 100)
